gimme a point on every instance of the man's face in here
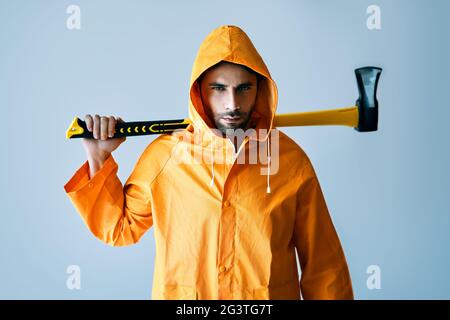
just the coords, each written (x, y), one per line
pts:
(228, 94)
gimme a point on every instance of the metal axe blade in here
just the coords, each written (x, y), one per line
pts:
(367, 103)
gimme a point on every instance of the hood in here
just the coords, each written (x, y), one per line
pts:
(230, 43)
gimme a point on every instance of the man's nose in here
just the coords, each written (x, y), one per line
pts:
(232, 102)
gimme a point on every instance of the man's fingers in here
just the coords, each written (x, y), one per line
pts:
(96, 127)
(111, 126)
(88, 120)
(104, 128)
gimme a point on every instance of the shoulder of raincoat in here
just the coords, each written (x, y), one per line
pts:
(223, 229)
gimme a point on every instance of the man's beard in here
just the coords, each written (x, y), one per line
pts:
(228, 128)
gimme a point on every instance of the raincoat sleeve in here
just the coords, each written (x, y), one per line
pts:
(324, 270)
(118, 215)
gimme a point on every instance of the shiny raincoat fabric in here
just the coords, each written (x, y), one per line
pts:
(223, 229)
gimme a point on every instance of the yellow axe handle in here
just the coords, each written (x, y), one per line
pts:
(343, 117)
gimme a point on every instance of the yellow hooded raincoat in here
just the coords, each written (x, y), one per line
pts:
(222, 229)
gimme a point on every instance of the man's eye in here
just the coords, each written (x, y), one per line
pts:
(218, 88)
(244, 88)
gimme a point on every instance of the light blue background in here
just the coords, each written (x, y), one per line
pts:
(386, 190)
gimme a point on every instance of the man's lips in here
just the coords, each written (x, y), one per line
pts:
(231, 119)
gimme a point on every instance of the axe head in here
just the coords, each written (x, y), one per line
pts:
(367, 103)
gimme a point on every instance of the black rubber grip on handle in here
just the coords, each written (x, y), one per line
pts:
(78, 128)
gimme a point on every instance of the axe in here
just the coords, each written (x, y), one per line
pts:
(363, 116)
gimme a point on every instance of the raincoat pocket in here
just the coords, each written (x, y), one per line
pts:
(179, 292)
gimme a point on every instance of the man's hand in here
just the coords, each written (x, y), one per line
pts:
(99, 148)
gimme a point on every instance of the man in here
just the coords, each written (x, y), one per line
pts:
(222, 229)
